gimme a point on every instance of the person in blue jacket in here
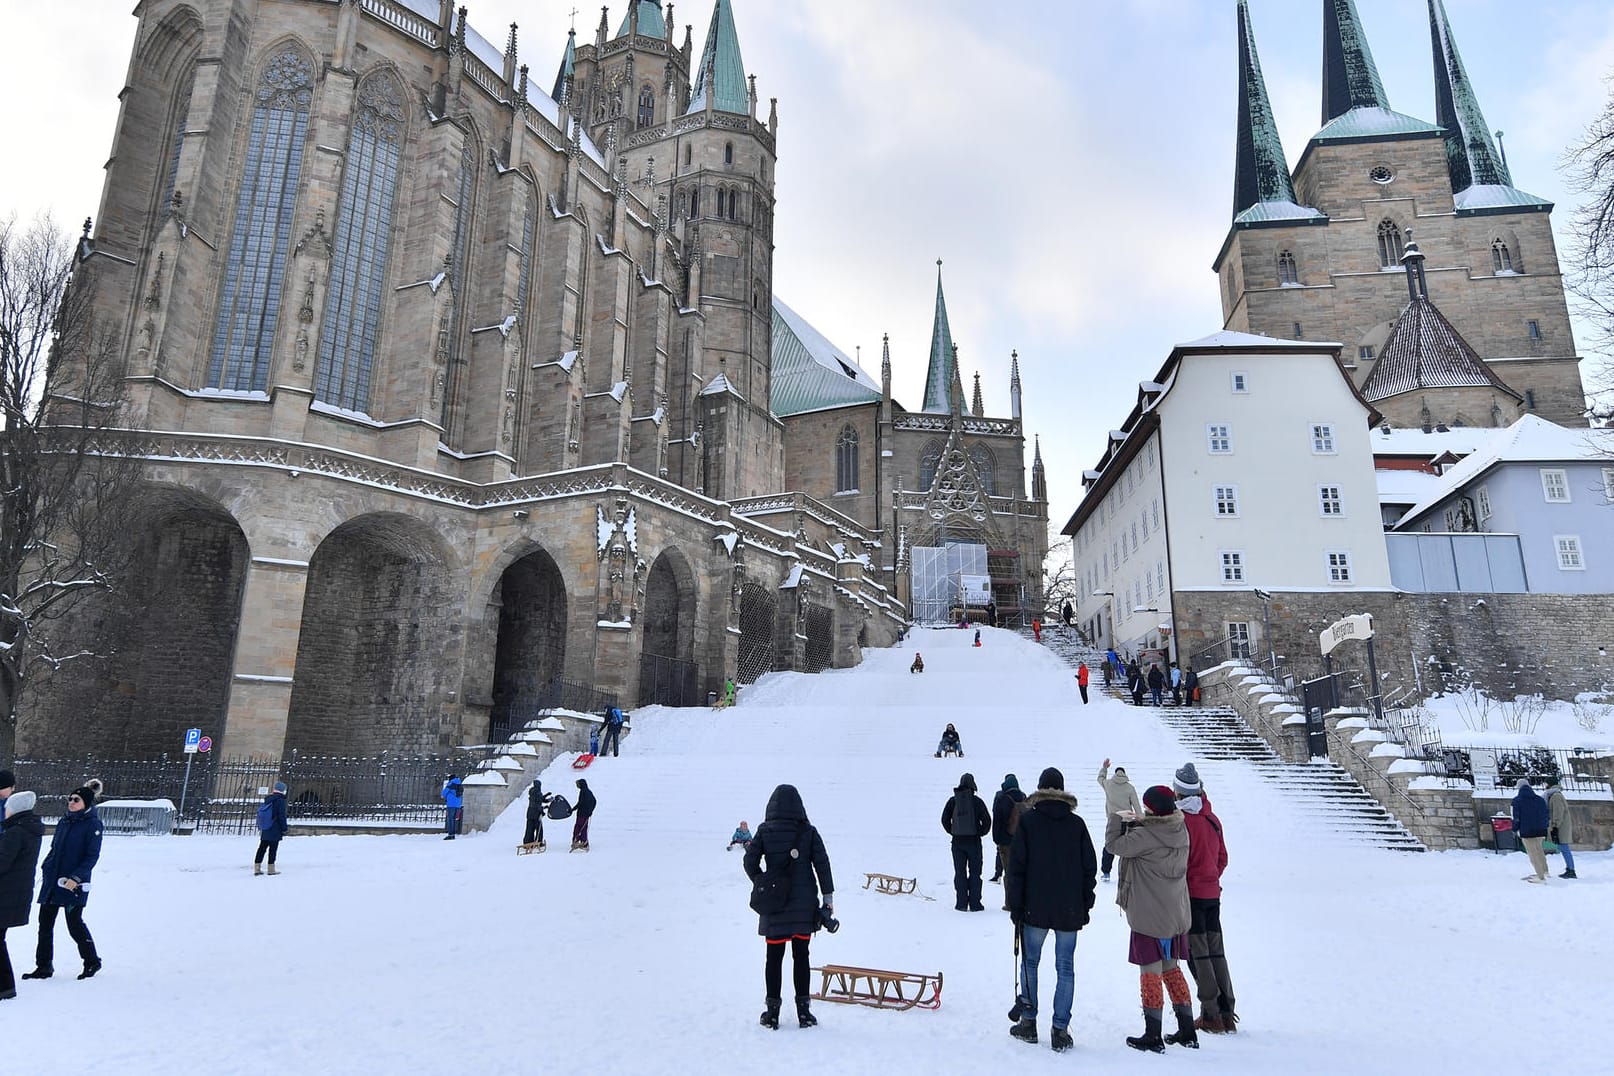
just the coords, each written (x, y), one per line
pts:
(1531, 820)
(269, 839)
(454, 797)
(613, 732)
(65, 882)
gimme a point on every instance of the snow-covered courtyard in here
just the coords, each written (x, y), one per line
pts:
(410, 954)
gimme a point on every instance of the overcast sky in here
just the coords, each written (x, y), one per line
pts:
(1071, 163)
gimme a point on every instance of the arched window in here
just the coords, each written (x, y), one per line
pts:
(256, 262)
(1288, 273)
(647, 106)
(734, 205)
(689, 153)
(722, 200)
(928, 464)
(347, 343)
(846, 461)
(728, 153)
(1501, 257)
(683, 204)
(459, 269)
(981, 458)
(1390, 249)
(695, 203)
(182, 109)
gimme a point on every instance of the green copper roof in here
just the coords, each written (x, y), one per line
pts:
(940, 376)
(1261, 183)
(721, 67)
(1350, 78)
(1370, 121)
(809, 372)
(651, 23)
(567, 59)
(1471, 157)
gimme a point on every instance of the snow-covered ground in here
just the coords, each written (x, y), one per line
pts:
(410, 954)
(1472, 719)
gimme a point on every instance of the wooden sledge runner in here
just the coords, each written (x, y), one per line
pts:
(890, 883)
(879, 989)
(529, 849)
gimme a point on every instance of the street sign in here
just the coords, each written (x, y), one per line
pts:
(1359, 626)
(193, 738)
(205, 744)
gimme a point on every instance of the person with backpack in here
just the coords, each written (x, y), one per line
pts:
(536, 802)
(65, 882)
(453, 796)
(272, 826)
(1190, 686)
(785, 898)
(966, 818)
(613, 732)
(585, 810)
(1119, 795)
(1050, 886)
(1082, 676)
(20, 838)
(1207, 859)
(1005, 818)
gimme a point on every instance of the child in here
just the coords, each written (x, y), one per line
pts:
(918, 665)
(742, 837)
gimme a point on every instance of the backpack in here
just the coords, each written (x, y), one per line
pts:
(266, 816)
(964, 821)
(559, 808)
(615, 716)
(1015, 807)
(770, 892)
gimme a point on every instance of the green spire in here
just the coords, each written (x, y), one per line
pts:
(1471, 156)
(1350, 78)
(722, 71)
(567, 59)
(939, 378)
(651, 23)
(1262, 189)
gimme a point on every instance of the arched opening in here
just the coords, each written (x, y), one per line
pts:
(819, 653)
(846, 480)
(666, 673)
(985, 469)
(1390, 248)
(1288, 271)
(1501, 257)
(728, 153)
(647, 106)
(928, 464)
(377, 615)
(530, 654)
(758, 612)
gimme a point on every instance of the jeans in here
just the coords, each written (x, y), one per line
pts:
(1154, 693)
(451, 822)
(1106, 862)
(1569, 859)
(1064, 967)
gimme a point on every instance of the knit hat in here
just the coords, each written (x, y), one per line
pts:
(1186, 781)
(85, 793)
(18, 802)
(1051, 778)
(1010, 781)
(8, 779)
(1159, 800)
(280, 787)
(967, 781)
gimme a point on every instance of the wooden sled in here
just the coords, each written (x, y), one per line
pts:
(879, 989)
(890, 883)
(529, 849)
(582, 761)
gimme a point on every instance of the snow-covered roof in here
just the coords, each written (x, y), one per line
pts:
(718, 384)
(1530, 440)
(1372, 122)
(1278, 210)
(1401, 486)
(1242, 341)
(1495, 196)
(1418, 444)
(809, 372)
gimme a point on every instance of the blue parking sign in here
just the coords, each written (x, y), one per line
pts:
(193, 738)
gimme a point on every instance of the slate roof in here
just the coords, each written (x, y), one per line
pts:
(1424, 351)
(651, 22)
(722, 71)
(567, 61)
(940, 374)
(1350, 77)
(809, 372)
(1262, 189)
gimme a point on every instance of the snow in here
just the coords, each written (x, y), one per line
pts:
(1230, 338)
(1459, 717)
(413, 954)
(1459, 440)
(1529, 440)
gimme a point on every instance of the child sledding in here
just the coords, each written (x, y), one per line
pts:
(918, 665)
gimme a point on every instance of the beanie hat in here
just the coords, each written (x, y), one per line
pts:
(1010, 781)
(280, 787)
(1186, 781)
(18, 802)
(8, 779)
(85, 793)
(1159, 800)
(967, 781)
(1051, 778)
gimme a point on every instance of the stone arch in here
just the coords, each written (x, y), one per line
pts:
(667, 671)
(530, 647)
(378, 612)
(759, 613)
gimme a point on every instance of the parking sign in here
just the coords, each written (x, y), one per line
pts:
(193, 740)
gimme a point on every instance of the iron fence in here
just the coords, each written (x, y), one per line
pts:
(511, 717)
(669, 681)
(1575, 769)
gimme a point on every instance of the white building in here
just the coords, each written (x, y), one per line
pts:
(1246, 464)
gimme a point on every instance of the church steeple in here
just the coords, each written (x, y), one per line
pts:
(1350, 77)
(650, 23)
(976, 408)
(1014, 385)
(568, 60)
(1262, 189)
(1039, 478)
(941, 373)
(721, 76)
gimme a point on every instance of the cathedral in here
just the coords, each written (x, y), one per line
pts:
(458, 392)
(1404, 240)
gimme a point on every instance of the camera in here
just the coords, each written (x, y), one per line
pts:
(827, 920)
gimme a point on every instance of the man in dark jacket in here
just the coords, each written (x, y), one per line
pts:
(613, 732)
(585, 810)
(965, 816)
(536, 802)
(64, 882)
(1005, 806)
(20, 838)
(1051, 883)
(1157, 683)
(784, 832)
(1531, 820)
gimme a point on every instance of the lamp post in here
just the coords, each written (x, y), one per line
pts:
(1266, 629)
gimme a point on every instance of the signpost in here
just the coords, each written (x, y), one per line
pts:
(1359, 626)
(194, 741)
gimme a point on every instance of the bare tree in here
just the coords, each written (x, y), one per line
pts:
(65, 490)
(1590, 167)
(1059, 571)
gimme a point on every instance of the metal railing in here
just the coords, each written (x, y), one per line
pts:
(511, 717)
(1577, 769)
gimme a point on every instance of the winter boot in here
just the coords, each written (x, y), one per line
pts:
(1025, 1030)
(770, 1015)
(1209, 1022)
(804, 1014)
(1184, 1035)
(1229, 1022)
(272, 869)
(1061, 1040)
(257, 869)
(44, 971)
(91, 966)
(1150, 1040)
(1570, 873)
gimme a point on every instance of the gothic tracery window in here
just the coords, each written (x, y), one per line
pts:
(1390, 248)
(1288, 272)
(846, 461)
(647, 106)
(928, 464)
(1501, 257)
(981, 458)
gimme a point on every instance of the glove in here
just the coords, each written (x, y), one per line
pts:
(1554, 834)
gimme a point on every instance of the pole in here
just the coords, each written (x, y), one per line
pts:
(1373, 671)
(1266, 629)
(185, 786)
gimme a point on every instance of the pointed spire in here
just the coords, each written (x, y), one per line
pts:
(956, 395)
(721, 75)
(939, 377)
(1350, 78)
(1261, 180)
(604, 28)
(563, 77)
(976, 408)
(1471, 156)
(1039, 476)
(1014, 384)
(885, 363)
(651, 22)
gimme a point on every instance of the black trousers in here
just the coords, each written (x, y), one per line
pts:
(534, 831)
(1106, 862)
(1083, 689)
(8, 979)
(967, 871)
(268, 846)
(609, 745)
(44, 953)
(773, 971)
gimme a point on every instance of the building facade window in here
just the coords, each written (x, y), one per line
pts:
(1482, 502)
(695, 204)
(1339, 567)
(459, 272)
(1569, 557)
(734, 205)
(1227, 502)
(1154, 511)
(728, 153)
(1241, 383)
(1238, 639)
(1288, 274)
(1329, 502)
(1160, 575)
(1501, 257)
(928, 464)
(1219, 438)
(254, 267)
(1533, 328)
(1232, 566)
(647, 106)
(1555, 486)
(182, 110)
(1322, 439)
(1390, 248)
(985, 469)
(1364, 353)
(722, 201)
(846, 461)
(347, 346)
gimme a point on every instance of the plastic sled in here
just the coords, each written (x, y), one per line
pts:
(581, 762)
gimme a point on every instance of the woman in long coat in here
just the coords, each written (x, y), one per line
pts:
(785, 831)
(1153, 890)
(65, 883)
(20, 838)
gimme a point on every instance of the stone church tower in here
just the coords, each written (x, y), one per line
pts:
(1319, 254)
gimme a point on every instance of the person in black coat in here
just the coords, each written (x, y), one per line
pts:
(785, 831)
(20, 838)
(1051, 883)
(269, 839)
(1004, 807)
(966, 818)
(536, 802)
(65, 882)
(585, 810)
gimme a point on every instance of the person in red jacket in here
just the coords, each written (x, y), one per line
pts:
(1207, 859)
(1081, 681)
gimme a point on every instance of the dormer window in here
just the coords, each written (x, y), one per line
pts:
(1288, 273)
(1390, 247)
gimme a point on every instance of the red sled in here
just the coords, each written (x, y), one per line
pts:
(581, 762)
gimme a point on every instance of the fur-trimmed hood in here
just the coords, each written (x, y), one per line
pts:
(1057, 795)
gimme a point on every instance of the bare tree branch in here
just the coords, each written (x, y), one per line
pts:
(1590, 272)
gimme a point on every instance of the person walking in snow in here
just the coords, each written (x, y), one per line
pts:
(1112, 664)
(1176, 685)
(270, 836)
(950, 742)
(1532, 818)
(1153, 891)
(64, 882)
(585, 810)
(786, 832)
(1190, 686)
(613, 732)
(1036, 628)
(1207, 859)
(20, 838)
(1067, 614)
(742, 837)
(1119, 795)
(1157, 683)
(536, 802)
(1082, 676)
(1134, 682)
(1005, 818)
(453, 798)
(1561, 826)
(1050, 886)
(965, 816)
(977, 636)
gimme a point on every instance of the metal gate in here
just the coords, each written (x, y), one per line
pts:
(668, 681)
(820, 649)
(1319, 696)
(757, 630)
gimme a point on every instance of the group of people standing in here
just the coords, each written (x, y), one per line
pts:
(64, 883)
(1162, 681)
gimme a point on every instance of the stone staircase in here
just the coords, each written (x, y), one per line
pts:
(505, 771)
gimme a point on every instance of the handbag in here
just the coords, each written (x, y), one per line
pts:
(770, 890)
